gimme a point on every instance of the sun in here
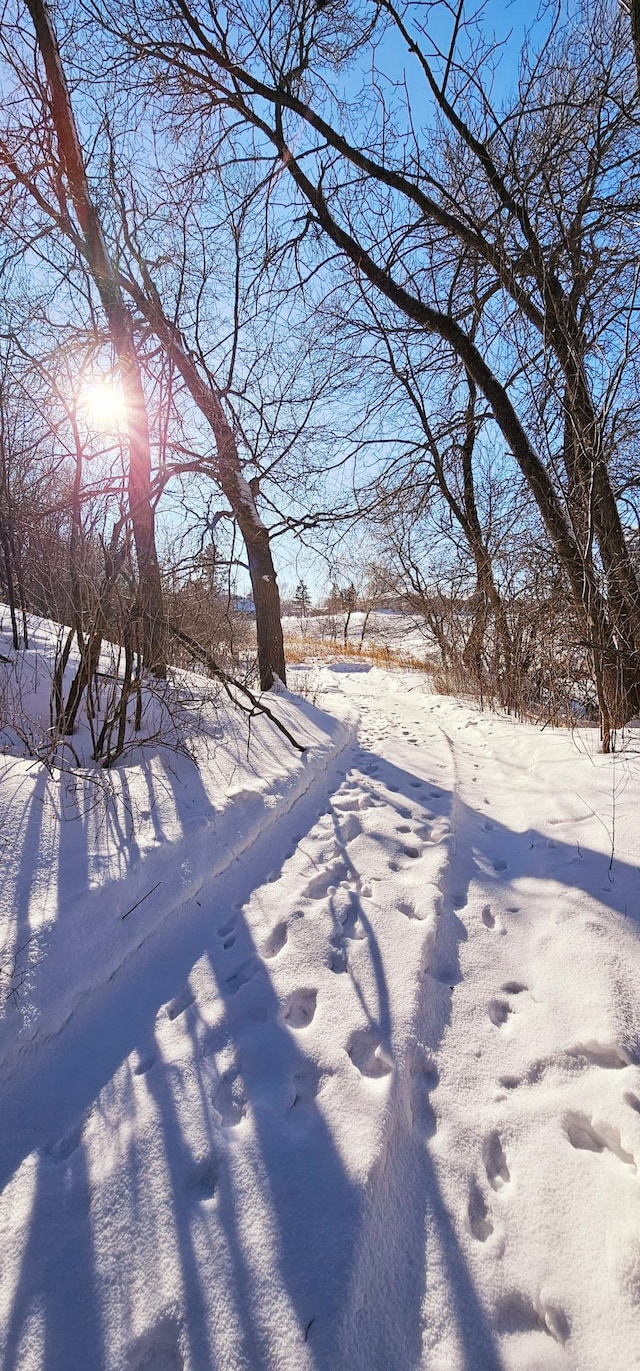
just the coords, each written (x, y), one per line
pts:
(102, 405)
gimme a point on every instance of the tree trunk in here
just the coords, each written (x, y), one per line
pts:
(121, 329)
(238, 492)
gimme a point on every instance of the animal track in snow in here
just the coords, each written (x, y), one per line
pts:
(300, 1008)
(160, 1356)
(350, 828)
(584, 1136)
(513, 988)
(61, 1151)
(338, 960)
(181, 1002)
(480, 1224)
(204, 1179)
(408, 908)
(606, 1055)
(227, 928)
(425, 1079)
(304, 1088)
(321, 885)
(411, 852)
(276, 940)
(242, 975)
(228, 1098)
(632, 1100)
(499, 1011)
(367, 1054)
(518, 1314)
(499, 864)
(346, 910)
(495, 1162)
(229, 942)
(488, 918)
(145, 1064)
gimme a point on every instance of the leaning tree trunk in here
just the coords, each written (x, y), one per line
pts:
(228, 470)
(122, 334)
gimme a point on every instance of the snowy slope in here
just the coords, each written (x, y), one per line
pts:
(370, 1098)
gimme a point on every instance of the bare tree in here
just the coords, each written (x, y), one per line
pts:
(75, 198)
(520, 206)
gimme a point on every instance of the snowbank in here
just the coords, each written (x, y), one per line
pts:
(94, 861)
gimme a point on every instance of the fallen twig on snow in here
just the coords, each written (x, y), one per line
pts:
(229, 683)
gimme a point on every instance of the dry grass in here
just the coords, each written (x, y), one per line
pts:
(300, 649)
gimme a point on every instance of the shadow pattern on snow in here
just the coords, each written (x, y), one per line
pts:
(359, 1252)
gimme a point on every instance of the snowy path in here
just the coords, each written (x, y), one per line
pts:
(381, 1111)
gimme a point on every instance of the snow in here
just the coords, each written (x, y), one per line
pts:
(403, 633)
(358, 1085)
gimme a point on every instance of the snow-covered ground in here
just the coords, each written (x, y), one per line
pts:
(368, 1098)
(400, 633)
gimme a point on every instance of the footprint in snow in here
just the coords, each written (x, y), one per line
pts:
(338, 960)
(499, 1011)
(518, 1314)
(160, 1355)
(425, 1079)
(585, 1137)
(350, 828)
(632, 1100)
(204, 1179)
(488, 918)
(227, 928)
(325, 882)
(276, 940)
(300, 1008)
(144, 1064)
(408, 908)
(499, 864)
(304, 1088)
(607, 1055)
(242, 975)
(495, 1162)
(182, 1002)
(228, 1098)
(368, 1055)
(479, 1221)
(61, 1150)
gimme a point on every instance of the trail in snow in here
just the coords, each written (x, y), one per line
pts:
(381, 1111)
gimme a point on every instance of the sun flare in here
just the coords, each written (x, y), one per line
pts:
(102, 405)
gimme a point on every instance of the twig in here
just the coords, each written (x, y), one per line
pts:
(230, 681)
(141, 900)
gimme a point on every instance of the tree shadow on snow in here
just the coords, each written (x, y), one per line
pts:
(348, 1261)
